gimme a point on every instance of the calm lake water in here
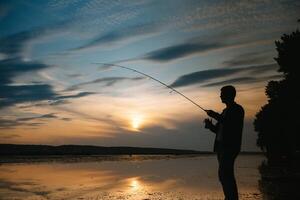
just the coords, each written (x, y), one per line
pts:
(124, 177)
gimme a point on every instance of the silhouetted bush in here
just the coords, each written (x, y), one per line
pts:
(277, 123)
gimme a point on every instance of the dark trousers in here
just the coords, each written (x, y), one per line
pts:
(226, 174)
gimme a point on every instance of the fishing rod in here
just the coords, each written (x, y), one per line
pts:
(134, 70)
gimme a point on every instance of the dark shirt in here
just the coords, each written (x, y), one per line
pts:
(229, 129)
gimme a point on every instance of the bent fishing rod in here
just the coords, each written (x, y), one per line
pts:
(168, 86)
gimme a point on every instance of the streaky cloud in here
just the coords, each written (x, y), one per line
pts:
(260, 69)
(80, 94)
(107, 81)
(45, 116)
(12, 45)
(26, 93)
(120, 34)
(179, 51)
(239, 80)
(14, 94)
(202, 76)
(12, 67)
(242, 80)
(33, 121)
(251, 58)
(8, 136)
(208, 75)
(28, 121)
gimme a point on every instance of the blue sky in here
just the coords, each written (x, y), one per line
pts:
(53, 92)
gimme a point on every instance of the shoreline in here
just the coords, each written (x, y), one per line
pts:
(100, 158)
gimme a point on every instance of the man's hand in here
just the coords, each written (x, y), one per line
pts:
(208, 123)
(211, 113)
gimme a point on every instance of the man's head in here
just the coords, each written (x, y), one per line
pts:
(228, 94)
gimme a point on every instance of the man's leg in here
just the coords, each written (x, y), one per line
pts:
(226, 175)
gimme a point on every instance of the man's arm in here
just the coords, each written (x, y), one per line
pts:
(214, 115)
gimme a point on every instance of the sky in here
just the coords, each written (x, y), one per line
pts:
(54, 89)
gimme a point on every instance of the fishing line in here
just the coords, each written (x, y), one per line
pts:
(134, 70)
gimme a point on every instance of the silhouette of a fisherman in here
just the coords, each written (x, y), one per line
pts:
(228, 130)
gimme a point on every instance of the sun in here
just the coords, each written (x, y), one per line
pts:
(136, 121)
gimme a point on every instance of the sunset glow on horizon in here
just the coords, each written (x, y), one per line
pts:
(52, 91)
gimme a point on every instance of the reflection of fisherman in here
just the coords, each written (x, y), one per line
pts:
(227, 145)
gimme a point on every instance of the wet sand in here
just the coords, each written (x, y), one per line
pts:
(125, 177)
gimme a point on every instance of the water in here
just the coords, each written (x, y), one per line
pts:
(125, 177)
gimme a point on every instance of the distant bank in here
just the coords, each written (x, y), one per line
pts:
(19, 150)
(37, 150)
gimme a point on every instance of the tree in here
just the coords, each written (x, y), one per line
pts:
(278, 122)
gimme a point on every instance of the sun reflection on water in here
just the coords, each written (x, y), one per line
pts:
(134, 184)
